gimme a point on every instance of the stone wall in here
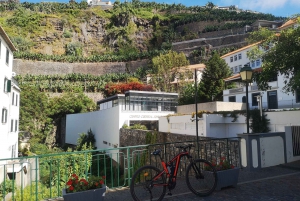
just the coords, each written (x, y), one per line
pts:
(23, 67)
(130, 137)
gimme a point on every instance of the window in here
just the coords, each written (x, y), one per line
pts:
(244, 99)
(258, 62)
(240, 56)
(7, 85)
(11, 125)
(240, 67)
(13, 98)
(7, 56)
(297, 95)
(235, 69)
(4, 115)
(235, 57)
(17, 99)
(16, 125)
(252, 64)
(254, 99)
(232, 99)
(231, 69)
(231, 59)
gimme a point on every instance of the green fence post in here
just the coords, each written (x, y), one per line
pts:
(128, 168)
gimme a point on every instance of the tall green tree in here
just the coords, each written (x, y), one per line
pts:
(34, 111)
(165, 68)
(212, 84)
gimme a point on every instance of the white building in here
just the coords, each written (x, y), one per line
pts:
(133, 107)
(273, 98)
(10, 98)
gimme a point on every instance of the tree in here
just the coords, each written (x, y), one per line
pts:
(212, 84)
(34, 113)
(281, 56)
(165, 68)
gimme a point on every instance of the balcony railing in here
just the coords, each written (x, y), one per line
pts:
(44, 176)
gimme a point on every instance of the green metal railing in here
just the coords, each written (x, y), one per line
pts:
(44, 176)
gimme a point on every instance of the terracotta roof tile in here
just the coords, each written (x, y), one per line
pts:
(288, 23)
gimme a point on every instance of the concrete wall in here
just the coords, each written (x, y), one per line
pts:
(215, 125)
(278, 120)
(211, 107)
(289, 145)
(23, 67)
(210, 125)
(260, 150)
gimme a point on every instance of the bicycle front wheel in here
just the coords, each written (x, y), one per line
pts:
(146, 185)
(201, 177)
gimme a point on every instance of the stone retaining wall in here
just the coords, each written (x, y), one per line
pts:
(23, 67)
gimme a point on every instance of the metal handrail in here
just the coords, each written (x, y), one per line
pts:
(43, 176)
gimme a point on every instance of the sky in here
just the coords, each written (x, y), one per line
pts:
(279, 8)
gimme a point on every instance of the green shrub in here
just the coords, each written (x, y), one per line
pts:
(7, 187)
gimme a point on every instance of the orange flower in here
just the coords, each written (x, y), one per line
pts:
(69, 183)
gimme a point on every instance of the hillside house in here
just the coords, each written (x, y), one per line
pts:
(273, 98)
(133, 107)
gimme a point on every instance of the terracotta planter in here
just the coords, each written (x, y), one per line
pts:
(227, 178)
(90, 195)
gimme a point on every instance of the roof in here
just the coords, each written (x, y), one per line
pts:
(239, 50)
(238, 76)
(7, 40)
(265, 23)
(288, 23)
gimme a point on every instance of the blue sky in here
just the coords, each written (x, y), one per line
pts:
(284, 8)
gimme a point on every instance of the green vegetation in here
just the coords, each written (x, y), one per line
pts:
(166, 67)
(129, 31)
(40, 115)
(212, 84)
(281, 55)
(74, 82)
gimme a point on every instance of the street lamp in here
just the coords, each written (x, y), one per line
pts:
(246, 75)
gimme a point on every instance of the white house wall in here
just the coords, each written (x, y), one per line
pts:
(8, 138)
(104, 125)
(278, 120)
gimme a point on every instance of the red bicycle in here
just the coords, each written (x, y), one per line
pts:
(150, 183)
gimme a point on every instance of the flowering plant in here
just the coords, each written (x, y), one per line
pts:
(222, 165)
(74, 184)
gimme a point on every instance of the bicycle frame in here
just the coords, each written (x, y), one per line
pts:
(165, 169)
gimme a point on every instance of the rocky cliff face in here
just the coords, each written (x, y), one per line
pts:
(92, 34)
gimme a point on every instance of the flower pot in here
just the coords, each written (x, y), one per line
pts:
(90, 195)
(227, 178)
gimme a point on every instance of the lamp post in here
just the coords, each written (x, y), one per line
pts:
(196, 107)
(246, 75)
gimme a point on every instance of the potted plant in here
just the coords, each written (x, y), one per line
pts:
(227, 173)
(82, 189)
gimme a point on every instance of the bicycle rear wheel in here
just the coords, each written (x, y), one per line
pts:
(144, 187)
(201, 177)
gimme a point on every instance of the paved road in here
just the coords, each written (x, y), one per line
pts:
(274, 184)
